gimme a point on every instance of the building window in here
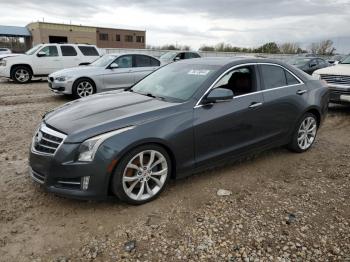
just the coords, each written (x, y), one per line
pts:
(140, 39)
(104, 36)
(117, 38)
(129, 38)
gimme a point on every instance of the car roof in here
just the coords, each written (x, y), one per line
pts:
(222, 61)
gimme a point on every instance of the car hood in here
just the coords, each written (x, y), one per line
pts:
(335, 70)
(105, 112)
(79, 70)
(8, 55)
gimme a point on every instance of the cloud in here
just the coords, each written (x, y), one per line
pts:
(239, 22)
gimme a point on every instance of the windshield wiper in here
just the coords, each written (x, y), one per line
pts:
(153, 96)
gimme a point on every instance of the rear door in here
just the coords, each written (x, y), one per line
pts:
(284, 99)
(69, 56)
(143, 65)
(50, 62)
(121, 77)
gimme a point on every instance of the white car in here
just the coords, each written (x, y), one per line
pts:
(4, 51)
(110, 72)
(45, 59)
(338, 80)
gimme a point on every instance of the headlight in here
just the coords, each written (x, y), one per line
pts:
(89, 147)
(62, 78)
(2, 62)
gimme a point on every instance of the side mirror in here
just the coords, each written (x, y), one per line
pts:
(41, 54)
(218, 95)
(312, 64)
(113, 66)
(177, 59)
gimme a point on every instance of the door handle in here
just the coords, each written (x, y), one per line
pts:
(301, 92)
(255, 104)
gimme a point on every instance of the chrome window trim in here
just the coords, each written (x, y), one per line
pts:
(198, 104)
(49, 131)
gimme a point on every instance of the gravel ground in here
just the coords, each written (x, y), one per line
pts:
(279, 206)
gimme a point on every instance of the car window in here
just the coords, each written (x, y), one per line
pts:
(188, 55)
(291, 80)
(195, 55)
(154, 62)
(176, 81)
(68, 50)
(88, 50)
(313, 62)
(124, 61)
(142, 61)
(241, 81)
(273, 76)
(49, 51)
(180, 55)
(321, 61)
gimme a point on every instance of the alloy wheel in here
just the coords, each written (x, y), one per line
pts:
(145, 175)
(22, 75)
(84, 89)
(307, 133)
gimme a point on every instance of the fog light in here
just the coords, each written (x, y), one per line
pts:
(85, 182)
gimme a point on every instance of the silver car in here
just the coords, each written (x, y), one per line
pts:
(174, 56)
(113, 71)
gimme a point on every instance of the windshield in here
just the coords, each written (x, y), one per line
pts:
(104, 61)
(346, 60)
(33, 50)
(299, 61)
(169, 55)
(176, 81)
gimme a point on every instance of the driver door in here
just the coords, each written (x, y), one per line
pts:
(49, 62)
(229, 127)
(121, 77)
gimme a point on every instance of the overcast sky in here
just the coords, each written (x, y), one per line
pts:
(187, 22)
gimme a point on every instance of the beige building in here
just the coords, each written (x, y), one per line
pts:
(42, 32)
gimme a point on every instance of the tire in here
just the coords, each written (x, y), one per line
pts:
(83, 87)
(137, 184)
(304, 134)
(21, 74)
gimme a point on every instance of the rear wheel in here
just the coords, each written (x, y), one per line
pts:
(142, 174)
(305, 134)
(21, 74)
(83, 87)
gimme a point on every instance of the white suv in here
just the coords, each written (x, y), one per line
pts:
(45, 59)
(338, 79)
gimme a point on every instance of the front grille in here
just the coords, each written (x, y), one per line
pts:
(336, 79)
(46, 141)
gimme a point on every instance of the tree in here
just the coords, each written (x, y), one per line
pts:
(270, 48)
(207, 48)
(290, 48)
(324, 47)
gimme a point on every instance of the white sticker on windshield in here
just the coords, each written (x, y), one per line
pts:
(201, 72)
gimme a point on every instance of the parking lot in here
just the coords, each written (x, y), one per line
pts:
(283, 206)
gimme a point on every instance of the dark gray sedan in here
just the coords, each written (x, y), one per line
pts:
(182, 118)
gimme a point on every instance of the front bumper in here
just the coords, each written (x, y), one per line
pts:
(339, 94)
(60, 87)
(4, 72)
(63, 175)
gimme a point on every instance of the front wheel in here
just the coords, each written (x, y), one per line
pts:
(83, 87)
(305, 134)
(21, 74)
(142, 174)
